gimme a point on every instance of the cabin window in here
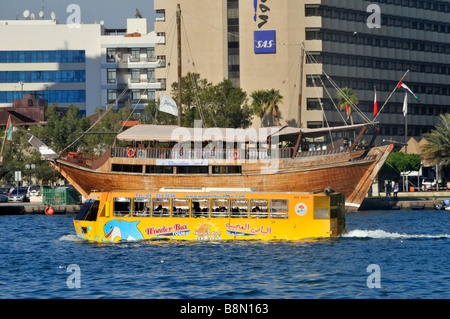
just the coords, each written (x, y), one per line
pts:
(219, 208)
(180, 207)
(192, 169)
(321, 213)
(126, 168)
(279, 208)
(122, 207)
(227, 169)
(141, 207)
(153, 169)
(161, 207)
(200, 207)
(259, 208)
(239, 208)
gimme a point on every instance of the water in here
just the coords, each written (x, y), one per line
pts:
(411, 249)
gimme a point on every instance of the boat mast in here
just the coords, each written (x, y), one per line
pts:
(300, 89)
(179, 61)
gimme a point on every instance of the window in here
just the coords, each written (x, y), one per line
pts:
(219, 208)
(153, 169)
(200, 207)
(122, 207)
(259, 208)
(126, 168)
(111, 75)
(135, 95)
(239, 208)
(180, 207)
(151, 57)
(141, 207)
(161, 207)
(151, 76)
(110, 55)
(135, 76)
(112, 96)
(279, 208)
(135, 55)
(89, 211)
(74, 56)
(66, 76)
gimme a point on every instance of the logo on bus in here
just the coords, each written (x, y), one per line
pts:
(301, 209)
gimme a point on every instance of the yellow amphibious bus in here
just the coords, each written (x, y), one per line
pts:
(206, 214)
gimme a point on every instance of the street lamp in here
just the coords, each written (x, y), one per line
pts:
(30, 167)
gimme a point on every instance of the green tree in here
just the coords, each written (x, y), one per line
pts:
(344, 97)
(404, 162)
(437, 151)
(220, 105)
(61, 131)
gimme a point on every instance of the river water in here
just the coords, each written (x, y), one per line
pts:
(384, 255)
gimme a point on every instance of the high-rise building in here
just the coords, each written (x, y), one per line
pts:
(361, 45)
(87, 65)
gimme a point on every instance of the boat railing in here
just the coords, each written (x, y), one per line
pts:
(80, 158)
(91, 160)
(332, 151)
(206, 154)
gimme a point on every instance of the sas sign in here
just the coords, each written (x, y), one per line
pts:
(265, 42)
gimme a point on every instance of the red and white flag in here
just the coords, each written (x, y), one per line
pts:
(375, 105)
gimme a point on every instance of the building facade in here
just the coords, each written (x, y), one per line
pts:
(128, 65)
(361, 45)
(87, 65)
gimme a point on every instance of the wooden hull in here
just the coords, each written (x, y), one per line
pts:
(351, 174)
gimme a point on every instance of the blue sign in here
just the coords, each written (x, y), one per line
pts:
(265, 42)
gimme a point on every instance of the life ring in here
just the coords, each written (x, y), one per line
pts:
(131, 152)
(49, 211)
(235, 154)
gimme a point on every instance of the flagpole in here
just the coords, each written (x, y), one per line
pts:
(405, 113)
(4, 139)
(392, 93)
(179, 62)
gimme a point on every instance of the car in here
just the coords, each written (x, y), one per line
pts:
(428, 184)
(35, 190)
(19, 195)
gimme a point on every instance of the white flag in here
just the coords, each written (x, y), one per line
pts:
(168, 105)
(405, 105)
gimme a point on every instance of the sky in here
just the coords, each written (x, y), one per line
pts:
(113, 12)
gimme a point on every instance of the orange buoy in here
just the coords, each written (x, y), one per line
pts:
(49, 211)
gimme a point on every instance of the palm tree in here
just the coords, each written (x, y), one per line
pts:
(258, 103)
(265, 103)
(437, 150)
(344, 97)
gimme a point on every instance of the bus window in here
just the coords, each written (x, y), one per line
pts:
(239, 208)
(219, 208)
(279, 208)
(122, 207)
(141, 207)
(259, 208)
(200, 207)
(89, 211)
(161, 207)
(180, 207)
